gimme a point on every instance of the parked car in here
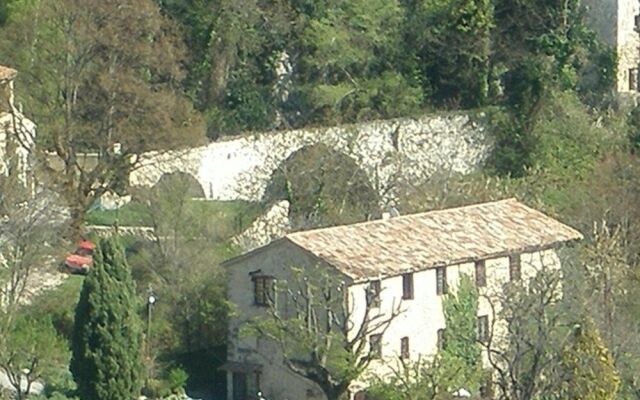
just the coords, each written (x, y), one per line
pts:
(81, 260)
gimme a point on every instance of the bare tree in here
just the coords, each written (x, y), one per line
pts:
(99, 77)
(319, 334)
(29, 234)
(526, 337)
(410, 380)
(30, 231)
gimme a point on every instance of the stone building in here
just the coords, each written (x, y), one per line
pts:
(410, 262)
(617, 22)
(17, 133)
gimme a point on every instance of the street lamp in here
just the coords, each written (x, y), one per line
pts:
(151, 300)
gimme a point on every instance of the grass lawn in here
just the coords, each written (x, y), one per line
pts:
(236, 215)
(131, 214)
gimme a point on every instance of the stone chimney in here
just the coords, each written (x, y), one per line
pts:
(7, 75)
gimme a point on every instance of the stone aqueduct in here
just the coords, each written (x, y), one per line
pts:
(408, 149)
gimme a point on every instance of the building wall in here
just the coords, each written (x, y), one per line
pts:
(15, 154)
(423, 315)
(420, 320)
(614, 22)
(276, 381)
(628, 44)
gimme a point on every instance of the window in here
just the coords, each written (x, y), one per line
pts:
(375, 346)
(374, 293)
(441, 340)
(483, 329)
(263, 290)
(633, 79)
(407, 286)
(404, 348)
(441, 281)
(514, 267)
(481, 274)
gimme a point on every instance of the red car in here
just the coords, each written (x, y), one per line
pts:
(81, 261)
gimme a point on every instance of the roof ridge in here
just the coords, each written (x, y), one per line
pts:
(420, 214)
(464, 233)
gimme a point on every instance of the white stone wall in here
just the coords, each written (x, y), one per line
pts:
(408, 149)
(268, 227)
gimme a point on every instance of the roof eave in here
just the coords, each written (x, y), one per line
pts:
(529, 249)
(249, 254)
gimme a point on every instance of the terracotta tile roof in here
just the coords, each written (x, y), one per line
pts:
(420, 241)
(7, 73)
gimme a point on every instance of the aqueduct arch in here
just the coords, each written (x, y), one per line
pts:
(413, 149)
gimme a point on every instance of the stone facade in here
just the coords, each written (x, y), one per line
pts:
(492, 243)
(17, 133)
(272, 225)
(420, 320)
(615, 23)
(407, 149)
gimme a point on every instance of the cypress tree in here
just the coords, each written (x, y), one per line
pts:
(588, 366)
(106, 345)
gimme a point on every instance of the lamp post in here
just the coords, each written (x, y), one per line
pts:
(151, 300)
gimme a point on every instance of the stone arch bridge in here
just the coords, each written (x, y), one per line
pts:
(409, 149)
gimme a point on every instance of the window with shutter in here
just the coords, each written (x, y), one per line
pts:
(374, 293)
(514, 267)
(481, 273)
(375, 346)
(407, 286)
(404, 348)
(483, 328)
(441, 339)
(263, 290)
(441, 281)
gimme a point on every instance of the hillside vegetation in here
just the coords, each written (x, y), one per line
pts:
(171, 73)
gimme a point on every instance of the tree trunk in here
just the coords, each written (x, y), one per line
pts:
(76, 223)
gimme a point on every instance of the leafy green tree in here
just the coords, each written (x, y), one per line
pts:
(180, 263)
(98, 76)
(542, 48)
(323, 187)
(451, 40)
(233, 47)
(460, 362)
(31, 351)
(557, 30)
(588, 366)
(107, 337)
(348, 69)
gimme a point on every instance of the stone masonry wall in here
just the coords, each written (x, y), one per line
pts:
(387, 151)
(614, 21)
